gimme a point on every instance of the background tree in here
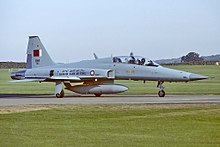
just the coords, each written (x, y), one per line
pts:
(191, 57)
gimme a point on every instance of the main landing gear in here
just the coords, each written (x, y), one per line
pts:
(98, 94)
(59, 90)
(60, 95)
(161, 92)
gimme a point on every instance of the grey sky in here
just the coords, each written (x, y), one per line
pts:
(71, 30)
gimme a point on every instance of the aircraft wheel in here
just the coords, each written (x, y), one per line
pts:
(98, 95)
(60, 95)
(161, 93)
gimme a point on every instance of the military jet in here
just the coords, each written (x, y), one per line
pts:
(95, 76)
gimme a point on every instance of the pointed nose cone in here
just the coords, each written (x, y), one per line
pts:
(194, 77)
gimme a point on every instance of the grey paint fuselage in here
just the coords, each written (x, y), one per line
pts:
(124, 71)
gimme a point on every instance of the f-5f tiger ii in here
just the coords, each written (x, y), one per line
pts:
(95, 76)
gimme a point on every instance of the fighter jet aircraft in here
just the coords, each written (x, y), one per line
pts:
(95, 76)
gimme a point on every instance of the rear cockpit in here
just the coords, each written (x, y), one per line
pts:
(138, 60)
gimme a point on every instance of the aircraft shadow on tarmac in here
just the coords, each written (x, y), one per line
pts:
(16, 96)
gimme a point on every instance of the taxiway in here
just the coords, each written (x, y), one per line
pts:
(25, 99)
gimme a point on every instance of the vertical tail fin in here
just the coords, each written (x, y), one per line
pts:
(37, 55)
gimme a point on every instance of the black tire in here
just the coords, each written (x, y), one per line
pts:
(98, 95)
(60, 95)
(161, 93)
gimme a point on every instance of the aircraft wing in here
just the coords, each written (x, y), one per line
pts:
(93, 77)
(75, 78)
(27, 80)
(65, 78)
(59, 78)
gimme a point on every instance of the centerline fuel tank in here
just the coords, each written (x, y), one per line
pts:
(98, 89)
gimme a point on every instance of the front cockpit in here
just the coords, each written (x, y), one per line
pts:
(138, 60)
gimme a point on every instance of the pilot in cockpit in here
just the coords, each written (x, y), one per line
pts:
(142, 61)
(134, 60)
(131, 59)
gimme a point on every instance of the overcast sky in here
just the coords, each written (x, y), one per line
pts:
(71, 30)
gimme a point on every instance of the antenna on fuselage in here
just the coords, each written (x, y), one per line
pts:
(95, 56)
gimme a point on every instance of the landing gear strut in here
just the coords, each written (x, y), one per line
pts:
(98, 95)
(58, 90)
(60, 95)
(161, 92)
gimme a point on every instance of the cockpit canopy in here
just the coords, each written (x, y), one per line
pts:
(138, 60)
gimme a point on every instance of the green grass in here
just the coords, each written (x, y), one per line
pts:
(113, 125)
(209, 86)
(23, 88)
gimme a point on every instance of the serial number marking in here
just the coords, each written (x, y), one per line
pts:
(72, 72)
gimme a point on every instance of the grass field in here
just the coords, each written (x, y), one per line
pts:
(209, 86)
(113, 125)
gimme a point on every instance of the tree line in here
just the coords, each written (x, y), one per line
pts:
(12, 65)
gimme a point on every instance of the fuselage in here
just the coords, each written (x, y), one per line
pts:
(122, 71)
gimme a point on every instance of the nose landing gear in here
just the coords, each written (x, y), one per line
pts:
(161, 92)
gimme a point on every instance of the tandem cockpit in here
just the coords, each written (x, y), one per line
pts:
(138, 60)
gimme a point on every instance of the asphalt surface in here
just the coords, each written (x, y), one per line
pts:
(27, 99)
